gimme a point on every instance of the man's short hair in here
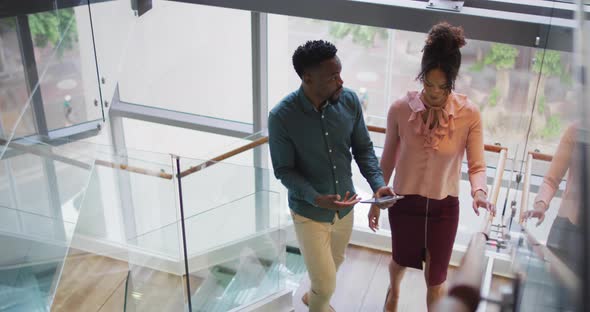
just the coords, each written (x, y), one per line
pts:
(311, 54)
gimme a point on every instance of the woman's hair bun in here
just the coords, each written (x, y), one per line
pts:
(445, 39)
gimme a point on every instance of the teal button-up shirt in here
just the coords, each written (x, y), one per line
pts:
(312, 151)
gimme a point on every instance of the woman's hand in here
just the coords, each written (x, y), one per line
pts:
(374, 214)
(538, 212)
(384, 191)
(481, 200)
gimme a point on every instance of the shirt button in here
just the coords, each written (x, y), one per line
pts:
(334, 167)
(336, 181)
(326, 133)
(322, 116)
(330, 150)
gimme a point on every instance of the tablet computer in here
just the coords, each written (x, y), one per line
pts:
(382, 199)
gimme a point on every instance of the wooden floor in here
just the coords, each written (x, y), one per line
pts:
(362, 284)
(91, 283)
(96, 283)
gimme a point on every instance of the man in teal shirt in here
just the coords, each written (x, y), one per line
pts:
(314, 133)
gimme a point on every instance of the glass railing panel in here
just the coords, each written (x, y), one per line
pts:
(157, 278)
(94, 266)
(38, 220)
(235, 236)
(30, 266)
(236, 253)
(550, 253)
(214, 184)
(6, 196)
(550, 256)
(127, 236)
(546, 285)
(132, 201)
(147, 136)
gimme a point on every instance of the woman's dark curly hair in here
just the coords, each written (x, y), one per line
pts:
(442, 51)
(311, 54)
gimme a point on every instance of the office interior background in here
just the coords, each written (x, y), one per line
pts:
(134, 166)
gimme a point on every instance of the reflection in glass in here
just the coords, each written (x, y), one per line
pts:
(13, 87)
(564, 236)
(66, 65)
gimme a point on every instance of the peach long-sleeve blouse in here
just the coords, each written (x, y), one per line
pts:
(428, 160)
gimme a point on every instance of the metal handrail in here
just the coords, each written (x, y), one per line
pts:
(541, 156)
(224, 156)
(46, 153)
(264, 139)
(487, 147)
(133, 169)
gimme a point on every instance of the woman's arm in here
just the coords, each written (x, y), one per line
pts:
(559, 165)
(475, 156)
(392, 140)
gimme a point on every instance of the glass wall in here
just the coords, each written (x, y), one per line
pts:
(48, 71)
(197, 60)
(182, 57)
(552, 253)
(13, 86)
(525, 93)
(513, 86)
(65, 59)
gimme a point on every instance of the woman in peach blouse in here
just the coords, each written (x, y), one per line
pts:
(428, 132)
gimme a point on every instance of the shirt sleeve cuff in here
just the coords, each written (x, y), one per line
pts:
(310, 196)
(480, 188)
(377, 184)
(545, 194)
(542, 200)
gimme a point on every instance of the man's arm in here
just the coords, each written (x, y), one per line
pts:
(282, 153)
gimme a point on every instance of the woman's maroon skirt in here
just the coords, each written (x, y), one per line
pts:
(418, 223)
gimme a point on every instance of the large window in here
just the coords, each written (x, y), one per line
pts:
(13, 87)
(68, 82)
(381, 66)
(182, 57)
(513, 86)
(362, 50)
(47, 72)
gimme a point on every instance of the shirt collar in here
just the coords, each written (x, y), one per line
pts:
(305, 104)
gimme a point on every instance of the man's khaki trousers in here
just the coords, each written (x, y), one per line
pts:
(322, 245)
